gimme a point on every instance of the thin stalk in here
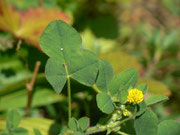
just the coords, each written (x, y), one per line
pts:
(122, 133)
(95, 129)
(69, 98)
(123, 121)
(30, 86)
(69, 91)
(96, 89)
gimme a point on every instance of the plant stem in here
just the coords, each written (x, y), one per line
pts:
(129, 118)
(122, 133)
(95, 129)
(69, 91)
(30, 87)
(96, 89)
(98, 128)
(69, 97)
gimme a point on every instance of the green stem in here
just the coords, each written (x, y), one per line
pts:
(69, 98)
(69, 91)
(123, 121)
(95, 129)
(122, 133)
(96, 89)
(132, 117)
(98, 128)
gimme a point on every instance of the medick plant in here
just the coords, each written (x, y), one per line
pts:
(117, 96)
(12, 125)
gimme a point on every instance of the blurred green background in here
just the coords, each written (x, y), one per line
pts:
(140, 34)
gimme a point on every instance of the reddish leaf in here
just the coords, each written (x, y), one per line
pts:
(30, 24)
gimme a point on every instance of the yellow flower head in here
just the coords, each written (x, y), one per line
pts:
(135, 96)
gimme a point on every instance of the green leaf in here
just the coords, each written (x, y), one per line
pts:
(143, 88)
(57, 35)
(67, 59)
(105, 75)
(18, 99)
(56, 74)
(170, 42)
(97, 45)
(146, 124)
(141, 108)
(120, 84)
(83, 123)
(42, 124)
(13, 119)
(83, 67)
(104, 103)
(20, 131)
(128, 127)
(78, 133)
(73, 124)
(5, 133)
(63, 130)
(155, 99)
(169, 127)
(37, 132)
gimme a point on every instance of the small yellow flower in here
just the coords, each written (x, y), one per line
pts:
(135, 96)
(126, 113)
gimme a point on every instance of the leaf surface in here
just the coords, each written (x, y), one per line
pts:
(169, 127)
(104, 103)
(143, 88)
(83, 123)
(155, 99)
(67, 59)
(43, 125)
(105, 75)
(18, 99)
(13, 119)
(73, 124)
(121, 61)
(120, 84)
(146, 124)
(141, 108)
(20, 131)
(155, 87)
(37, 132)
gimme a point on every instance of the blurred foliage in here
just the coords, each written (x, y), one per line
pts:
(18, 99)
(21, 24)
(98, 45)
(25, 4)
(43, 125)
(121, 61)
(129, 34)
(6, 42)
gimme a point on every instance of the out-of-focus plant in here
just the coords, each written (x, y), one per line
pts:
(98, 45)
(12, 126)
(21, 24)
